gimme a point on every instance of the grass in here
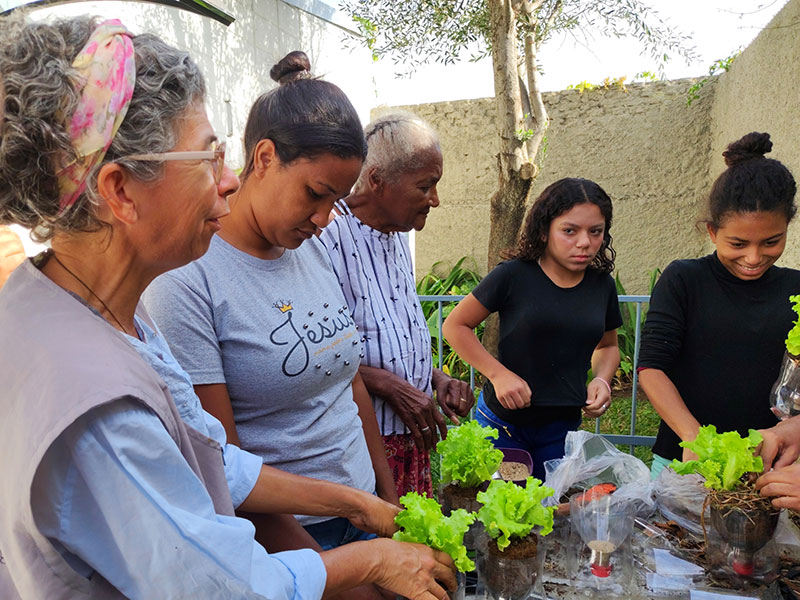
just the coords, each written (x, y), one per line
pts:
(617, 420)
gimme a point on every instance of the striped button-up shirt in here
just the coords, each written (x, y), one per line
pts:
(376, 275)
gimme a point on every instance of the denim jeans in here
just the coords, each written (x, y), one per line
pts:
(544, 441)
(336, 532)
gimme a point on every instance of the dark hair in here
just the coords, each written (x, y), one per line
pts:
(751, 183)
(304, 117)
(554, 201)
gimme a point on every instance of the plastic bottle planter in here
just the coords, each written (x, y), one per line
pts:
(513, 573)
(452, 497)
(603, 525)
(742, 536)
(461, 591)
(785, 396)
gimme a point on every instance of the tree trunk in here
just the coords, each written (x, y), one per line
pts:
(506, 213)
(514, 167)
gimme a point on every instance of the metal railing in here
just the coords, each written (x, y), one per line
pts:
(631, 439)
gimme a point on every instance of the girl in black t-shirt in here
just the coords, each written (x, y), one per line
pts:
(714, 337)
(558, 313)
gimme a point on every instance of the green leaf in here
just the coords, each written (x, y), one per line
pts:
(723, 457)
(468, 456)
(422, 522)
(793, 338)
(510, 510)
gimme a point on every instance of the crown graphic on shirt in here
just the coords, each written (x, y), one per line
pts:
(283, 305)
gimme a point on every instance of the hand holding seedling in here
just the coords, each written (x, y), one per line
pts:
(688, 455)
(781, 445)
(784, 484)
(373, 515)
(415, 571)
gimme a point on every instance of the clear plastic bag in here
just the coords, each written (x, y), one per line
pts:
(681, 498)
(589, 459)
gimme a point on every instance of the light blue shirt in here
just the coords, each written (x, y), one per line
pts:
(241, 467)
(114, 495)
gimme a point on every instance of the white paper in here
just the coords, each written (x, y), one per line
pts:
(668, 565)
(661, 583)
(703, 595)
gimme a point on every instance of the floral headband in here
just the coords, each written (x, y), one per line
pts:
(107, 71)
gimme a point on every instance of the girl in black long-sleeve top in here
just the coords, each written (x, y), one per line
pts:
(713, 340)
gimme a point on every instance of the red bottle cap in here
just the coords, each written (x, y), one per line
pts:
(601, 571)
(745, 569)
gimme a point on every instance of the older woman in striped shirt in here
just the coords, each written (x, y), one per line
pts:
(393, 194)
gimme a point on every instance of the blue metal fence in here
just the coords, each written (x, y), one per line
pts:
(631, 439)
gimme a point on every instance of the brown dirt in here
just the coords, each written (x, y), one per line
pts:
(455, 496)
(513, 471)
(518, 548)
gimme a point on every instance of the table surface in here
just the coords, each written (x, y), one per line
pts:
(565, 576)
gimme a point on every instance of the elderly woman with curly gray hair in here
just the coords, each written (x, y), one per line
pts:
(394, 193)
(128, 488)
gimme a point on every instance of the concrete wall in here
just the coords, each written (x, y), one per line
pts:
(236, 59)
(642, 144)
(758, 94)
(654, 155)
(460, 226)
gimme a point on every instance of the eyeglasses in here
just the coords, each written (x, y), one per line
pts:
(215, 156)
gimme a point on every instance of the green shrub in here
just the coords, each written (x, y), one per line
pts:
(626, 334)
(459, 281)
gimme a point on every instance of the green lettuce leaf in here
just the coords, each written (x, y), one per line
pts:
(510, 510)
(422, 522)
(723, 457)
(793, 339)
(468, 456)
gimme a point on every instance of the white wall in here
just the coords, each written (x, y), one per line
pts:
(236, 59)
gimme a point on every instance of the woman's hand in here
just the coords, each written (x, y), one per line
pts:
(598, 398)
(689, 455)
(373, 515)
(783, 484)
(781, 445)
(454, 396)
(416, 409)
(415, 571)
(511, 390)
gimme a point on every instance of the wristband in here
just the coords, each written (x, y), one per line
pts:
(608, 385)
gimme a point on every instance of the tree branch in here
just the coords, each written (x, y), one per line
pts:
(506, 85)
(538, 110)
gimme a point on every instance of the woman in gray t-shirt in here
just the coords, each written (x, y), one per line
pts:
(260, 322)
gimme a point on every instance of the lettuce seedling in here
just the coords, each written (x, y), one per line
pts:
(468, 456)
(510, 510)
(422, 522)
(793, 339)
(723, 457)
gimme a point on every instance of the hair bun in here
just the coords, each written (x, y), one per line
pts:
(291, 67)
(752, 146)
